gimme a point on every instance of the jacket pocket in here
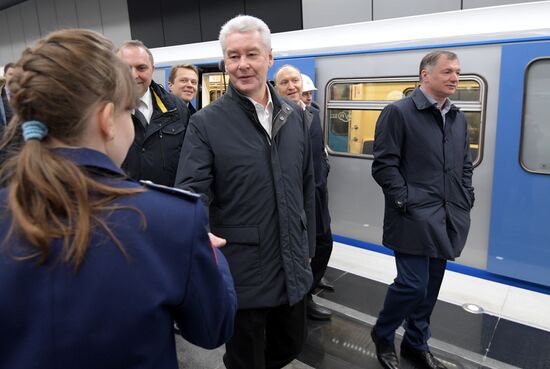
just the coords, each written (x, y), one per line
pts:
(171, 139)
(242, 252)
(174, 128)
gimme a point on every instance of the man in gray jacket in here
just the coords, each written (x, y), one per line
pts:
(248, 154)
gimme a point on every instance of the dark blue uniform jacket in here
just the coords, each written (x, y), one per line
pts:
(117, 311)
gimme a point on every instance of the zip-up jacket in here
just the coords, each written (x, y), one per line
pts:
(156, 148)
(260, 192)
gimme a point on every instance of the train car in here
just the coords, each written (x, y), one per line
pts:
(504, 91)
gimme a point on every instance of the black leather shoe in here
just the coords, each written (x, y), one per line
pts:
(385, 353)
(421, 359)
(324, 284)
(317, 312)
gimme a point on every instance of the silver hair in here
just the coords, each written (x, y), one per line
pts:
(243, 24)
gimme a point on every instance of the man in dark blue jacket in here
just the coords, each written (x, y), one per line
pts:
(9, 69)
(423, 163)
(248, 154)
(288, 81)
(160, 121)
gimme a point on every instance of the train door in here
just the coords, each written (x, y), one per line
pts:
(519, 238)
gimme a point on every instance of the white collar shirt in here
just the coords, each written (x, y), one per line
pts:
(443, 110)
(145, 105)
(265, 113)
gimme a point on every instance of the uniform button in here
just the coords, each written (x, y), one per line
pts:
(281, 118)
(143, 149)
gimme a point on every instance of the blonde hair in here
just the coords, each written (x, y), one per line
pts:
(58, 82)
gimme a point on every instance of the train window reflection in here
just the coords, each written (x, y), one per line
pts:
(535, 135)
(353, 107)
(213, 86)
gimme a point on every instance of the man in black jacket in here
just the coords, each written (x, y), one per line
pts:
(288, 81)
(248, 154)
(183, 82)
(160, 121)
(9, 69)
(423, 163)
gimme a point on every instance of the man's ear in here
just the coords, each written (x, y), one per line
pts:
(105, 117)
(270, 55)
(170, 84)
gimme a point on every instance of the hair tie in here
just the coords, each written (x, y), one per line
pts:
(34, 130)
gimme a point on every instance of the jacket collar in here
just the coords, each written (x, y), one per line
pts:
(281, 109)
(422, 102)
(89, 158)
(162, 94)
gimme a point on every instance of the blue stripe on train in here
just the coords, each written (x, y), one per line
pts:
(453, 266)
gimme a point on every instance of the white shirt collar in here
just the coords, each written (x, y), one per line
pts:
(146, 105)
(265, 113)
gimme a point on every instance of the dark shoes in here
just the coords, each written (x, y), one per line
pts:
(316, 311)
(324, 284)
(421, 359)
(385, 353)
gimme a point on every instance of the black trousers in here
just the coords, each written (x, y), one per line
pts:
(411, 297)
(319, 263)
(267, 338)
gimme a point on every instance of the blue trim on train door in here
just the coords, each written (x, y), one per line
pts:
(519, 236)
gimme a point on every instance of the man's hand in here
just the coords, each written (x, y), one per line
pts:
(217, 241)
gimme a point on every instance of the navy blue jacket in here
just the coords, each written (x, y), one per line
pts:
(425, 170)
(116, 311)
(155, 152)
(8, 113)
(260, 192)
(320, 168)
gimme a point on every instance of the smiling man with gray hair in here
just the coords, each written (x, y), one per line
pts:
(248, 154)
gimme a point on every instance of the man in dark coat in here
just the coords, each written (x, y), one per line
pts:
(160, 121)
(423, 163)
(248, 154)
(288, 81)
(183, 82)
(9, 69)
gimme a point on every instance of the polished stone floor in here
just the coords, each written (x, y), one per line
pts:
(459, 339)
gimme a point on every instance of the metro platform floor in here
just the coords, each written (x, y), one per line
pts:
(460, 339)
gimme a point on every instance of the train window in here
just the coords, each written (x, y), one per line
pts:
(535, 135)
(353, 107)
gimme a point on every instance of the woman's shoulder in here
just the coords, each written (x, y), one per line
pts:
(166, 200)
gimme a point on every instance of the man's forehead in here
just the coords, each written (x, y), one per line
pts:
(185, 71)
(255, 43)
(134, 51)
(288, 72)
(445, 60)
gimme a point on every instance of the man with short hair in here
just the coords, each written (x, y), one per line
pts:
(288, 82)
(183, 82)
(423, 163)
(9, 70)
(248, 154)
(160, 121)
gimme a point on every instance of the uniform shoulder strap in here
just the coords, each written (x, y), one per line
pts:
(171, 190)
